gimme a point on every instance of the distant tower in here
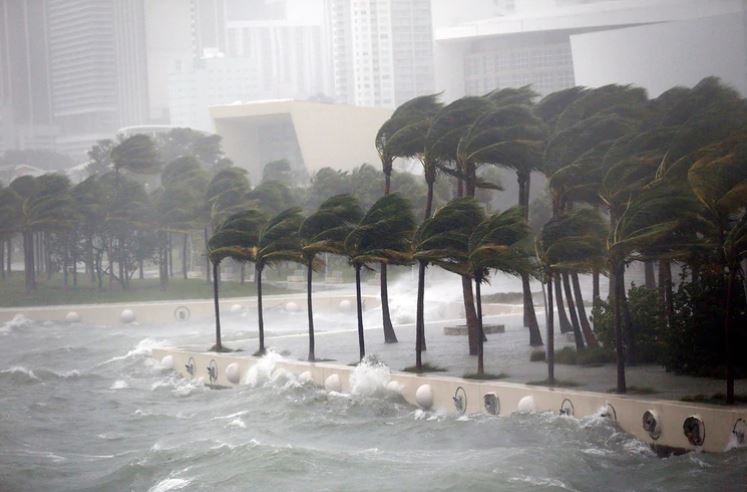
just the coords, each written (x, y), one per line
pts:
(98, 69)
(381, 50)
(25, 99)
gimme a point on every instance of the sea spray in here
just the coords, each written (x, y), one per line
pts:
(370, 377)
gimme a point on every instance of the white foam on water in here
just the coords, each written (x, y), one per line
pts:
(143, 348)
(238, 423)
(231, 416)
(370, 377)
(119, 384)
(20, 370)
(261, 373)
(178, 385)
(540, 482)
(170, 484)
(19, 321)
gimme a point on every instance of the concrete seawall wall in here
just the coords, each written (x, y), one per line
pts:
(181, 310)
(716, 424)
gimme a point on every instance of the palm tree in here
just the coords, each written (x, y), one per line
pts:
(443, 240)
(719, 182)
(497, 243)
(325, 231)
(509, 136)
(383, 235)
(36, 205)
(237, 238)
(574, 241)
(278, 241)
(449, 125)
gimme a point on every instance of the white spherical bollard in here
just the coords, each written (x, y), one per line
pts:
(345, 305)
(305, 377)
(424, 396)
(526, 405)
(235, 308)
(332, 383)
(127, 316)
(72, 317)
(291, 307)
(233, 373)
(394, 387)
(167, 362)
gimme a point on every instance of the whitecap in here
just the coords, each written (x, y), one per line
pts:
(143, 348)
(119, 384)
(170, 484)
(237, 422)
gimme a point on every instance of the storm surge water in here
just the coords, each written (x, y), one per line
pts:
(85, 409)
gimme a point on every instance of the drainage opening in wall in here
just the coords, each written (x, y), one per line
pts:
(460, 400)
(190, 366)
(651, 424)
(182, 313)
(740, 431)
(694, 430)
(492, 403)
(212, 370)
(566, 408)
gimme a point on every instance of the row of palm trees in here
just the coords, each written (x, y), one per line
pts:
(657, 180)
(459, 238)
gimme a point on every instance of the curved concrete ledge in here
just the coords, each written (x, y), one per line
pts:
(178, 310)
(628, 411)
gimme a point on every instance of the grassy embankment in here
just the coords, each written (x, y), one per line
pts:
(52, 292)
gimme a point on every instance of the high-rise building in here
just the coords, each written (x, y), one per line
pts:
(25, 96)
(555, 44)
(98, 69)
(381, 50)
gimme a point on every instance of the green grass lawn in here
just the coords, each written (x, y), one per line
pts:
(52, 292)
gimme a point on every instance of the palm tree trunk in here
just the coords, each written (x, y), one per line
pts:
(665, 288)
(595, 287)
(480, 331)
(387, 181)
(310, 310)
(242, 274)
(591, 339)
(563, 323)
(728, 336)
(473, 331)
(429, 200)
(27, 263)
(530, 317)
(419, 316)
(218, 345)
(650, 276)
(389, 335)
(359, 305)
(2, 259)
(10, 256)
(550, 334)
(207, 258)
(184, 255)
(618, 292)
(577, 336)
(47, 255)
(260, 319)
(170, 255)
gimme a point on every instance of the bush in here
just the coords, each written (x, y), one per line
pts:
(537, 356)
(695, 341)
(647, 321)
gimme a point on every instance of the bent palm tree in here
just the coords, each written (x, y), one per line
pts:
(237, 238)
(442, 240)
(278, 241)
(497, 243)
(325, 231)
(383, 235)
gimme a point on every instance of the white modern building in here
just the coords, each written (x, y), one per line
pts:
(195, 85)
(309, 135)
(381, 50)
(555, 44)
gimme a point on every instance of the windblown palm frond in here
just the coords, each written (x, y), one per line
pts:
(384, 232)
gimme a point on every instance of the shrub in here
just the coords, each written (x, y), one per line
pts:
(537, 356)
(648, 331)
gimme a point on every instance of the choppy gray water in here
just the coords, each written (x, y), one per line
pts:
(84, 408)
